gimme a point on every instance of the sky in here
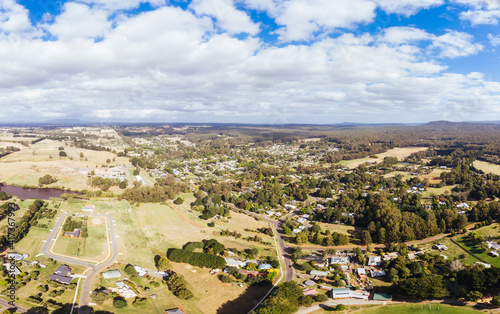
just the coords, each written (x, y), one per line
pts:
(250, 61)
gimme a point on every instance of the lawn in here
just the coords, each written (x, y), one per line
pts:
(487, 167)
(417, 308)
(344, 229)
(438, 191)
(464, 241)
(93, 248)
(453, 252)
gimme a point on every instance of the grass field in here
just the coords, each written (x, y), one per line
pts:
(93, 248)
(487, 167)
(438, 191)
(417, 308)
(453, 252)
(26, 166)
(344, 229)
(434, 176)
(492, 230)
(400, 153)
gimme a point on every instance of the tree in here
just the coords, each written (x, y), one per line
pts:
(495, 301)
(178, 201)
(136, 172)
(123, 185)
(119, 303)
(340, 307)
(366, 238)
(163, 263)
(130, 270)
(473, 296)
(62, 154)
(297, 254)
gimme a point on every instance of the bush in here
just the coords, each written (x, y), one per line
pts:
(178, 201)
(340, 307)
(46, 179)
(62, 154)
(211, 224)
(225, 279)
(119, 303)
(321, 298)
(495, 301)
(139, 301)
(130, 270)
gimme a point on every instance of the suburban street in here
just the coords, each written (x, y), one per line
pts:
(86, 287)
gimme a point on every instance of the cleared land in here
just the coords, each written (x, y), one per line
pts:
(453, 252)
(26, 166)
(487, 167)
(400, 153)
(94, 247)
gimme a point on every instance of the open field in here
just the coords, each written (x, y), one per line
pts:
(453, 252)
(438, 191)
(93, 248)
(487, 167)
(400, 153)
(416, 308)
(492, 230)
(434, 175)
(344, 229)
(26, 166)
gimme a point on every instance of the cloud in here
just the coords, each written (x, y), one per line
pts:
(494, 39)
(302, 18)
(114, 5)
(455, 44)
(79, 21)
(13, 17)
(170, 64)
(228, 17)
(407, 7)
(481, 12)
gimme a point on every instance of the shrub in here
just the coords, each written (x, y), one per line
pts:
(178, 201)
(62, 154)
(119, 303)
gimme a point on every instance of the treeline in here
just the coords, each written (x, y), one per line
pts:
(286, 299)
(178, 286)
(164, 189)
(196, 259)
(31, 216)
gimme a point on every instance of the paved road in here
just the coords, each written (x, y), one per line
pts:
(285, 251)
(95, 268)
(16, 308)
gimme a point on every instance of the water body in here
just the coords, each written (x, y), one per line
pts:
(41, 193)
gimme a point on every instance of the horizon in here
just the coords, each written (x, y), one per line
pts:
(250, 61)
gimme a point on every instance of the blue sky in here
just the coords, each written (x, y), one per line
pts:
(250, 61)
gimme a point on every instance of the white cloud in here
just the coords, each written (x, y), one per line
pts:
(302, 18)
(79, 21)
(170, 64)
(455, 44)
(115, 5)
(407, 7)
(479, 17)
(494, 39)
(400, 35)
(228, 17)
(13, 17)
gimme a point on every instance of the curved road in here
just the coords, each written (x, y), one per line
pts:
(95, 268)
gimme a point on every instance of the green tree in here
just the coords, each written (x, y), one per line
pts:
(62, 154)
(130, 270)
(163, 264)
(495, 301)
(178, 201)
(119, 303)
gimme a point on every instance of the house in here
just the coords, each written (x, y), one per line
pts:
(346, 293)
(296, 230)
(124, 290)
(374, 261)
(265, 266)
(440, 246)
(391, 256)
(141, 272)
(463, 205)
(341, 260)
(232, 262)
(483, 264)
(301, 220)
(88, 208)
(62, 274)
(319, 273)
(110, 274)
(174, 311)
(494, 254)
(361, 271)
(73, 234)
(377, 273)
(310, 292)
(493, 246)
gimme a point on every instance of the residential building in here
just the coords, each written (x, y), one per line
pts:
(374, 261)
(89, 208)
(110, 274)
(73, 234)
